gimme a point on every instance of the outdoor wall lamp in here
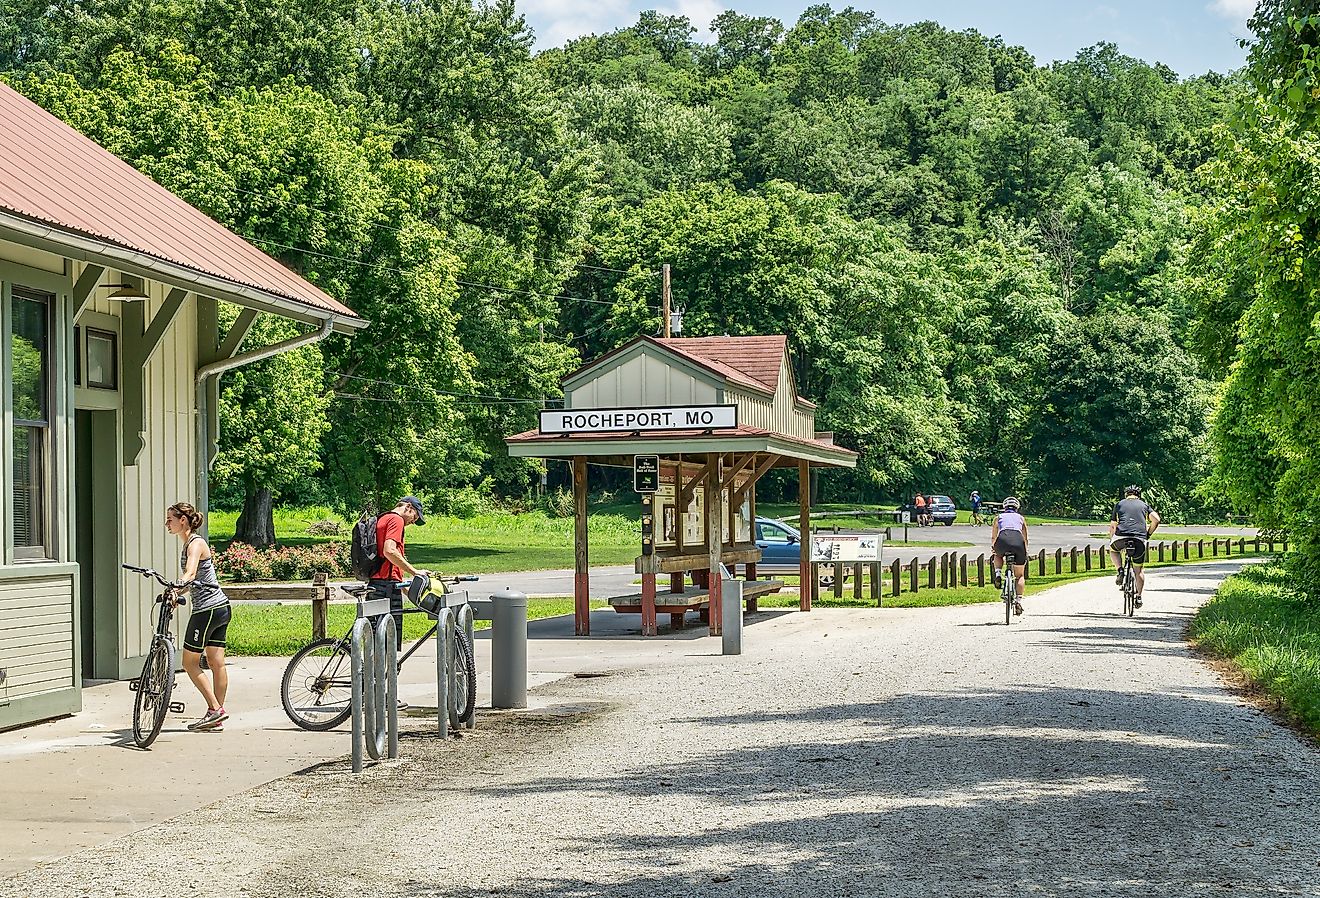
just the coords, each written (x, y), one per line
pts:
(128, 291)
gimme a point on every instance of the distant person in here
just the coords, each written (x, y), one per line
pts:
(1130, 526)
(919, 504)
(393, 563)
(208, 625)
(976, 507)
(1008, 542)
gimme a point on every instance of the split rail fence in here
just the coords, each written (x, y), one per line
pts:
(950, 570)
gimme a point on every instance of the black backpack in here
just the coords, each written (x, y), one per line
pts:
(363, 553)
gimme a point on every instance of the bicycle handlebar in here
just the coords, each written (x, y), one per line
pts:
(148, 572)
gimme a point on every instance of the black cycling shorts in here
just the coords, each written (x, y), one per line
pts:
(207, 628)
(1011, 546)
(1136, 543)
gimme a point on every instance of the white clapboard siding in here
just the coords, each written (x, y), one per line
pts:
(36, 635)
(163, 474)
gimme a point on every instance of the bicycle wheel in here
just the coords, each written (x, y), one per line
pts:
(1009, 585)
(152, 701)
(317, 688)
(463, 704)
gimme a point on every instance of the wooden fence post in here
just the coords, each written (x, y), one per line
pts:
(1242, 544)
(877, 581)
(1103, 552)
(1257, 549)
(1058, 561)
(1042, 562)
(913, 574)
(320, 603)
(896, 571)
(980, 570)
(1187, 550)
(1173, 548)
(857, 581)
(930, 574)
(944, 570)
(962, 568)
(838, 579)
(1200, 548)
(1072, 560)
(1228, 546)
(1088, 556)
(1159, 547)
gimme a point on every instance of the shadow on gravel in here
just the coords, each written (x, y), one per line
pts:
(989, 792)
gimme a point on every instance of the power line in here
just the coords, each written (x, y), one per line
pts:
(473, 284)
(389, 383)
(450, 234)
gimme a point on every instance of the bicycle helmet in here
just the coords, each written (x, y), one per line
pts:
(1011, 503)
(1132, 490)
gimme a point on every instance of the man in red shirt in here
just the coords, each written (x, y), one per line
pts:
(393, 564)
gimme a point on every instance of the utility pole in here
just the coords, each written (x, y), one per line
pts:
(664, 295)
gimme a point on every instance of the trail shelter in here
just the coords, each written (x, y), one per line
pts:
(719, 412)
(111, 352)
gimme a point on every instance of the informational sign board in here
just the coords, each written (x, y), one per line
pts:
(905, 517)
(646, 473)
(639, 420)
(846, 547)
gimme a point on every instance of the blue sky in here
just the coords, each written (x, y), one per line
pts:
(1190, 36)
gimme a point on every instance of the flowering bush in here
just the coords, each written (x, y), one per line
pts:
(244, 564)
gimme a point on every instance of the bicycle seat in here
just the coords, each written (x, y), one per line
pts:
(359, 591)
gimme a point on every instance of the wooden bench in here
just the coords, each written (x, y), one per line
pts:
(693, 598)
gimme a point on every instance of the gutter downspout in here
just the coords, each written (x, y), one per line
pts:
(215, 369)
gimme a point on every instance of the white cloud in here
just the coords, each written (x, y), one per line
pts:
(558, 21)
(1235, 11)
(699, 12)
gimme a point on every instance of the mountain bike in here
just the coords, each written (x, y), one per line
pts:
(155, 684)
(317, 686)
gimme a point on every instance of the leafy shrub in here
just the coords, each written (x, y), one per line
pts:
(325, 527)
(245, 564)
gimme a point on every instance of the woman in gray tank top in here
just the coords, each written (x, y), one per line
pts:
(208, 624)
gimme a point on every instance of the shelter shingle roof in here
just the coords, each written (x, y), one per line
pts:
(50, 173)
(751, 361)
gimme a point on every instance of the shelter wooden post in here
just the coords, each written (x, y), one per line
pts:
(751, 512)
(714, 540)
(581, 578)
(804, 531)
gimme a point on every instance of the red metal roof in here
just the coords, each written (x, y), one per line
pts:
(742, 430)
(52, 174)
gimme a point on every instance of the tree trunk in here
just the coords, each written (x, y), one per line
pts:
(256, 525)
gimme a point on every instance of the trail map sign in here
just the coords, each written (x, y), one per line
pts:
(639, 420)
(844, 547)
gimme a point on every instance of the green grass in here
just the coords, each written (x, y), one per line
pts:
(283, 629)
(1271, 632)
(482, 544)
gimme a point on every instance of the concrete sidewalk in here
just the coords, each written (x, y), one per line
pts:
(80, 781)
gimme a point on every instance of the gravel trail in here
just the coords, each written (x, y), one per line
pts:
(911, 752)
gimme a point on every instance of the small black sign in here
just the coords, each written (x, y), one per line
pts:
(646, 473)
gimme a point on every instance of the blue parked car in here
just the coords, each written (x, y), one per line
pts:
(780, 545)
(781, 550)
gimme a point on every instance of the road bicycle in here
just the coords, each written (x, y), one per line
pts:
(1128, 578)
(1008, 589)
(317, 687)
(155, 684)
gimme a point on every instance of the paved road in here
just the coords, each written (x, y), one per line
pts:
(618, 580)
(909, 752)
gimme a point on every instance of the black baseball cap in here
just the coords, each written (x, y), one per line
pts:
(416, 506)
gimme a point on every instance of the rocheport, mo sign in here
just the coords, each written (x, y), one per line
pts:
(671, 417)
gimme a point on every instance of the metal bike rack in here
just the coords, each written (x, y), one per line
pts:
(455, 613)
(375, 675)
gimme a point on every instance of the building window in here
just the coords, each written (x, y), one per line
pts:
(102, 359)
(29, 379)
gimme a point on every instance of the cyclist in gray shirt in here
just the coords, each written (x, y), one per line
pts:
(1130, 526)
(208, 625)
